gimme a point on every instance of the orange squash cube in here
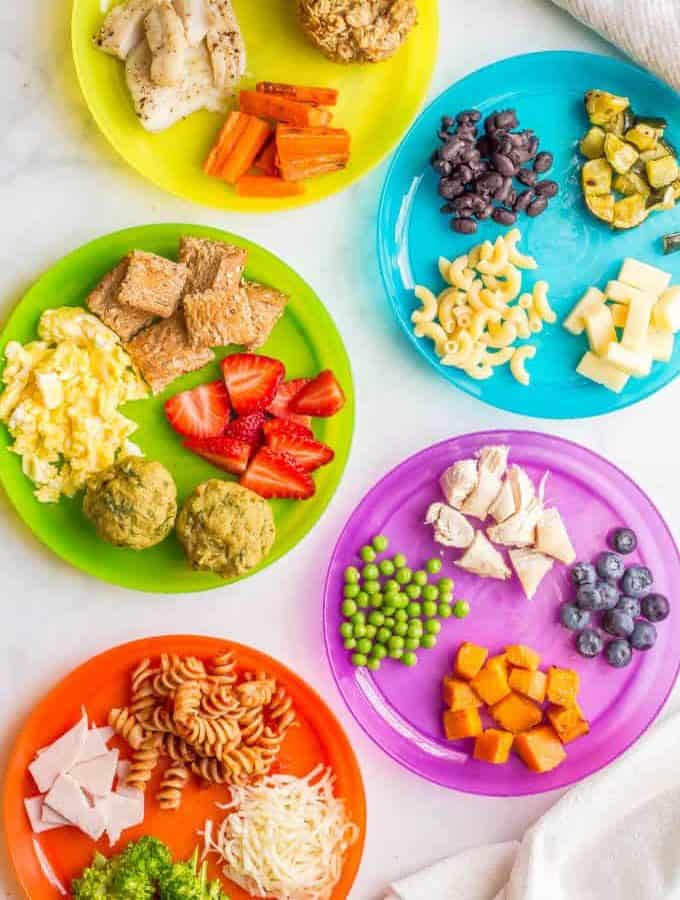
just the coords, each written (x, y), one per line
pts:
(540, 749)
(469, 660)
(523, 657)
(500, 659)
(458, 694)
(531, 684)
(515, 713)
(462, 723)
(568, 722)
(562, 687)
(493, 746)
(492, 682)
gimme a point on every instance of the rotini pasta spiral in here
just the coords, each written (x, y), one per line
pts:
(187, 702)
(243, 762)
(223, 668)
(280, 710)
(255, 693)
(161, 720)
(251, 724)
(210, 770)
(174, 781)
(144, 761)
(220, 702)
(126, 725)
(177, 749)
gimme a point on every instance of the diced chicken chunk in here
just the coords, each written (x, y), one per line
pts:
(482, 558)
(504, 504)
(167, 41)
(531, 568)
(451, 529)
(523, 489)
(552, 537)
(459, 481)
(123, 28)
(225, 45)
(492, 465)
(520, 529)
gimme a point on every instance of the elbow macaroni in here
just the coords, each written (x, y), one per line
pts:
(517, 363)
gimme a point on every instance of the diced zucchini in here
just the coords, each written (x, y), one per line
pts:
(631, 183)
(643, 136)
(661, 172)
(603, 108)
(592, 144)
(596, 177)
(630, 212)
(671, 242)
(619, 154)
(676, 188)
(656, 153)
(661, 199)
(601, 206)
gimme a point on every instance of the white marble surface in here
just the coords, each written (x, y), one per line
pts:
(61, 185)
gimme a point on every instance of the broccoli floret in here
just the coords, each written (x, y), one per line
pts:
(149, 855)
(185, 882)
(95, 882)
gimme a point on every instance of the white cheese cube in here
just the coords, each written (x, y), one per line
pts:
(622, 293)
(575, 321)
(643, 276)
(637, 323)
(659, 345)
(602, 372)
(600, 329)
(619, 314)
(630, 362)
(667, 311)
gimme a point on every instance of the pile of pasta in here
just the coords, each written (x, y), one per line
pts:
(222, 724)
(476, 320)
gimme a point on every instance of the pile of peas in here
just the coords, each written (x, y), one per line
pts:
(391, 611)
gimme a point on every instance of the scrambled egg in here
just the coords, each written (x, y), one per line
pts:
(61, 399)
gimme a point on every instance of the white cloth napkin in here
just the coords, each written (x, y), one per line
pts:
(647, 30)
(615, 835)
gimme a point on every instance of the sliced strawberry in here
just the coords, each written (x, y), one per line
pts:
(273, 474)
(248, 429)
(322, 397)
(223, 452)
(288, 427)
(307, 453)
(252, 381)
(280, 407)
(201, 412)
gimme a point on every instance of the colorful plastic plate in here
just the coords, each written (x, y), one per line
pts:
(277, 51)
(103, 682)
(400, 708)
(573, 249)
(305, 340)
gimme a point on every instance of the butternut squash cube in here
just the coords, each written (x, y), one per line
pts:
(515, 713)
(492, 682)
(562, 688)
(500, 659)
(462, 723)
(540, 749)
(493, 746)
(531, 684)
(469, 660)
(458, 694)
(523, 657)
(568, 722)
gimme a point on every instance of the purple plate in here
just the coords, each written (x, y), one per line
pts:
(400, 708)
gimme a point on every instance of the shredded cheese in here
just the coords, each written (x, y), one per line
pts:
(284, 837)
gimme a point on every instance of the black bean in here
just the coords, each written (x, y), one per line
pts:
(467, 133)
(512, 196)
(523, 200)
(484, 212)
(518, 139)
(532, 147)
(434, 157)
(443, 167)
(464, 201)
(447, 188)
(484, 145)
(447, 122)
(468, 115)
(464, 226)
(503, 191)
(543, 162)
(506, 119)
(537, 207)
(489, 182)
(463, 173)
(481, 167)
(452, 150)
(503, 164)
(503, 216)
(547, 188)
(527, 177)
(446, 208)
(490, 124)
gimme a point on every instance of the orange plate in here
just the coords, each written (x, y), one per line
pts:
(102, 683)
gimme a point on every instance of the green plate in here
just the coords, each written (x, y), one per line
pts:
(305, 340)
(377, 102)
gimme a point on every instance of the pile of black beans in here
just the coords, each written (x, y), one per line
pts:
(477, 172)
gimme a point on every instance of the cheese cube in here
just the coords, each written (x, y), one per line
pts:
(659, 345)
(600, 329)
(630, 362)
(619, 314)
(667, 311)
(637, 324)
(643, 276)
(602, 372)
(575, 321)
(622, 293)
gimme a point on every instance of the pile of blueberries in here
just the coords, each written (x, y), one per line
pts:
(476, 172)
(620, 595)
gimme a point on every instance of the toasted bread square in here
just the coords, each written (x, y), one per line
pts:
(219, 318)
(153, 283)
(162, 352)
(124, 320)
(212, 264)
(267, 306)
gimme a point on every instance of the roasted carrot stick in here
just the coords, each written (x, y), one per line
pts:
(266, 186)
(269, 106)
(266, 161)
(317, 96)
(246, 150)
(227, 139)
(314, 165)
(294, 143)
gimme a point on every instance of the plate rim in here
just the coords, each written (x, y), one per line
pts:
(487, 436)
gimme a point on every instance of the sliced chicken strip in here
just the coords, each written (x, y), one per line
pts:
(451, 529)
(167, 42)
(552, 537)
(492, 464)
(531, 567)
(123, 28)
(504, 505)
(520, 529)
(458, 481)
(225, 45)
(523, 489)
(482, 558)
(195, 18)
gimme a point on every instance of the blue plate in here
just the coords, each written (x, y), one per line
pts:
(573, 249)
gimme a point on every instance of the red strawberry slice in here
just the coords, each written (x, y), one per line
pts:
(202, 412)
(252, 381)
(273, 475)
(223, 452)
(288, 427)
(322, 397)
(307, 453)
(248, 429)
(280, 407)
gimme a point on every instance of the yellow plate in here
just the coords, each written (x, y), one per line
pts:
(377, 101)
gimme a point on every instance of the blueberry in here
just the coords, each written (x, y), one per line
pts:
(630, 605)
(636, 580)
(655, 607)
(618, 623)
(588, 597)
(589, 643)
(573, 618)
(618, 653)
(583, 573)
(609, 595)
(623, 540)
(643, 636)
(609, 565)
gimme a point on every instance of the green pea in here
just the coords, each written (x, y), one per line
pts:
(349, 643)
(399, 560)
(379, 652)
(391, 586)
(362, 600)
(351, 591)
(412, 643)
(403, 576)
(380, 543)
(444, 610)
(376, 600)
(401, 601)
(429, 609)
(364, 646)
(433, 565)
(428, 641)
(371, 632)
(360, 630)
(401, 616)
(358, 619)
(461, 609)
(414, 610)
(409, 659)
(420, 577)
(389, 622)
(349, 608)
(346, 629)
(358, 659)
(396, 642)
(413, 591)
(445, 585)
(415, 628)
(372, 587)
(430, 593)
(388, 611)
(376, 618)
(401, 629)
(373, 664)
(432, 626)
(387, 567)
(397, 653)
(383, 636)
(446, 597)
(370, 572)
(351, 575)
(367, 554)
